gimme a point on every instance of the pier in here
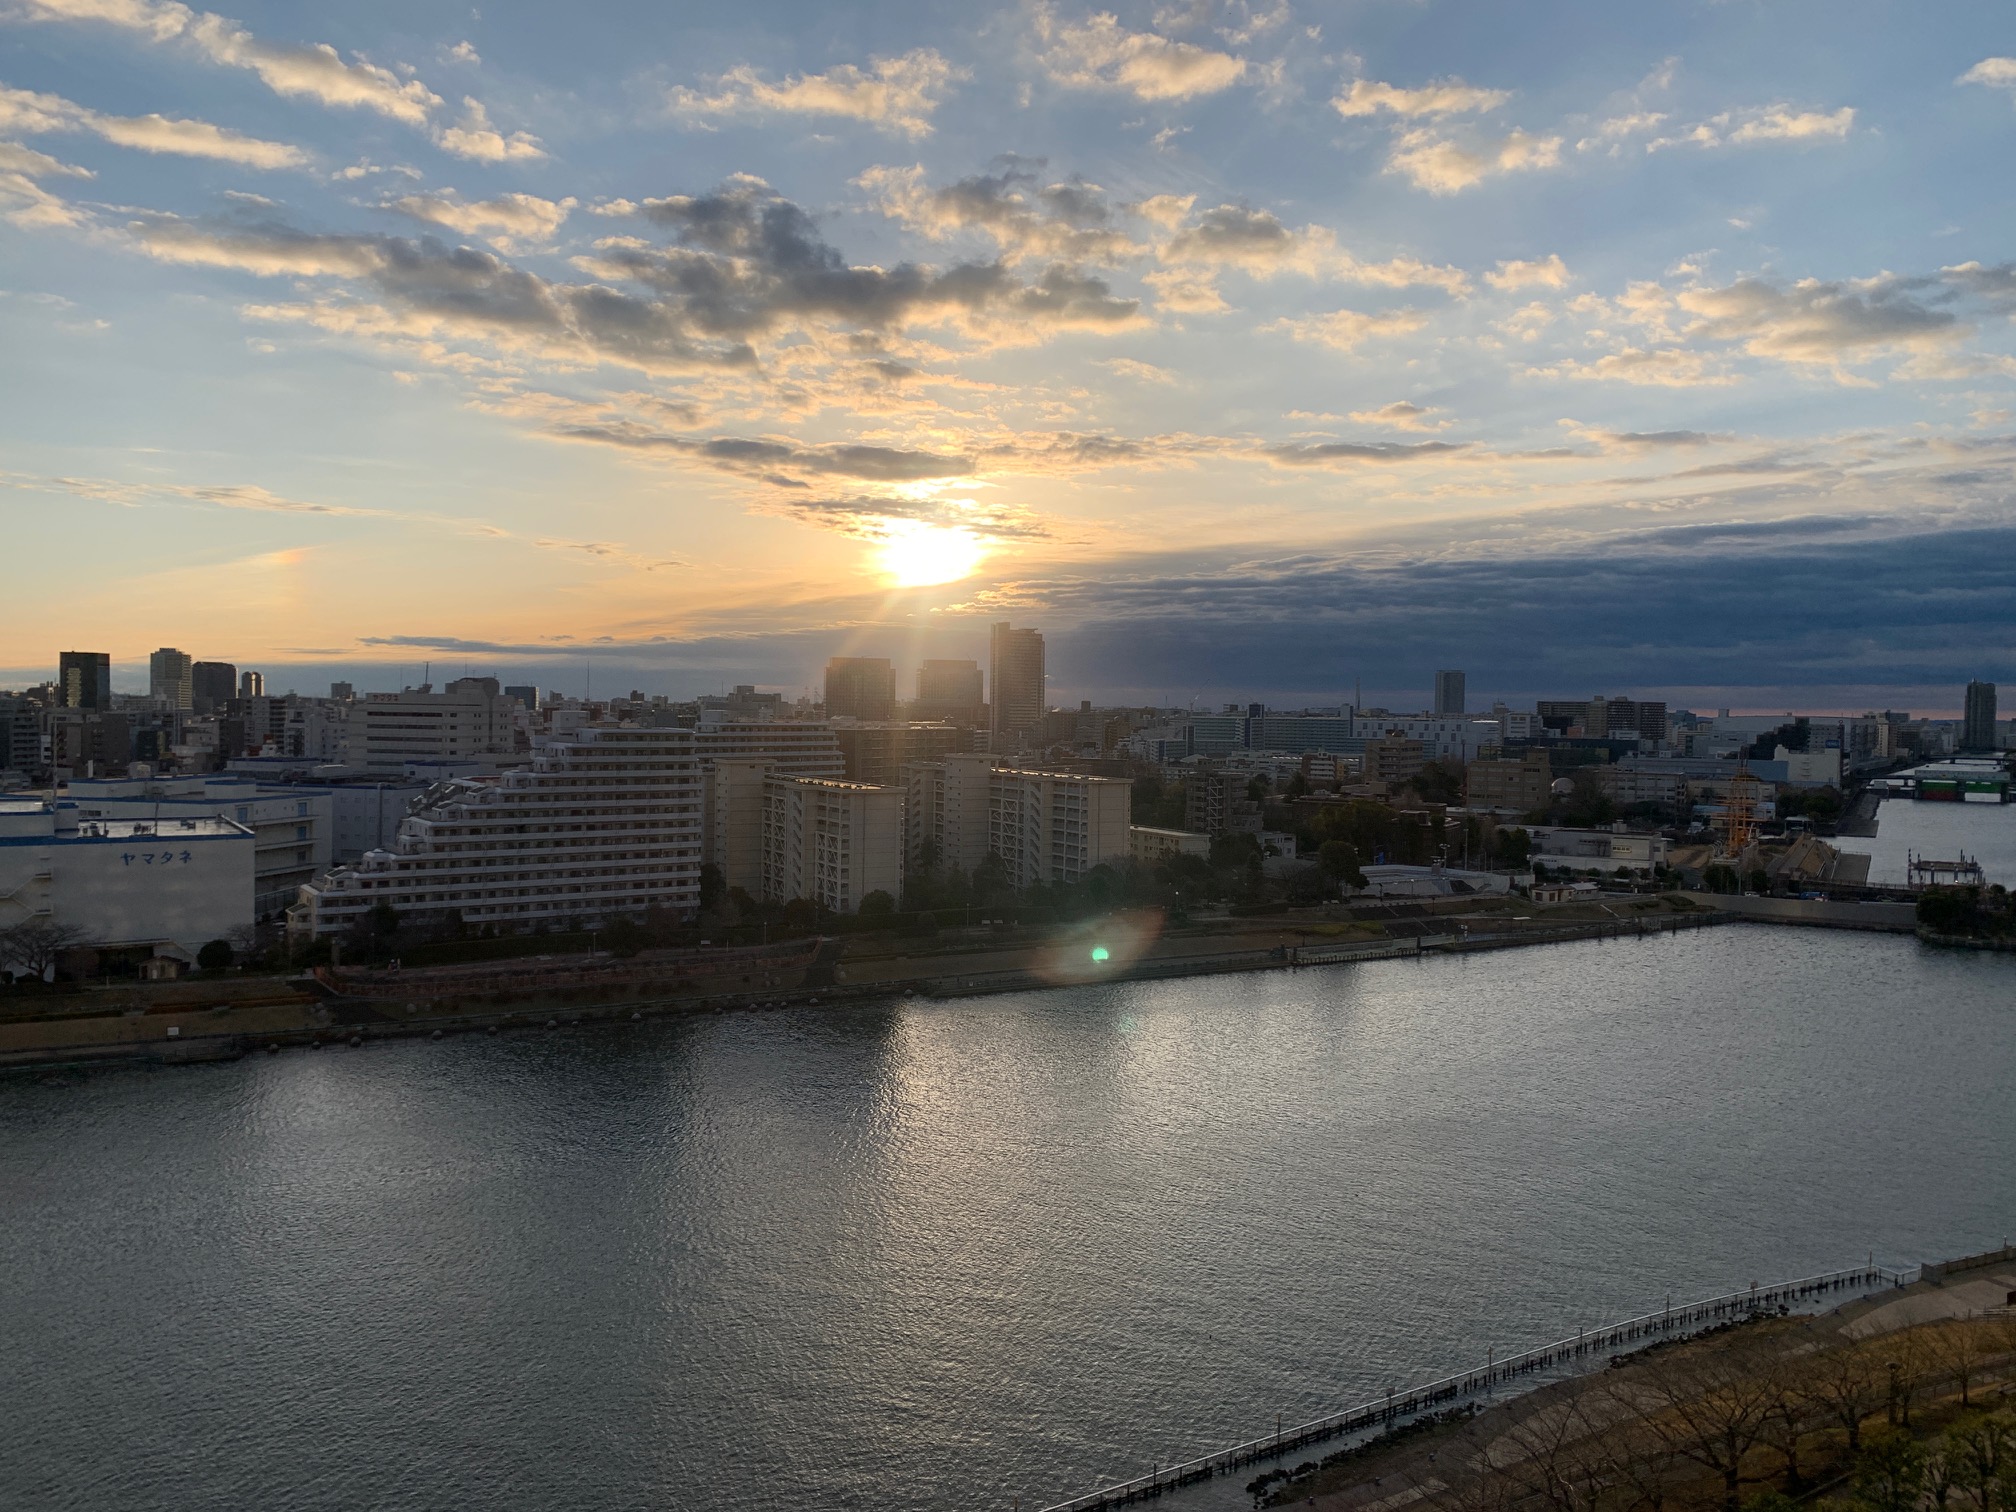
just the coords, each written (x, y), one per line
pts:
(1399, 1406)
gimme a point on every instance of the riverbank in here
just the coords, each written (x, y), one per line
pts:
(1617, 1406)
(191, 1022)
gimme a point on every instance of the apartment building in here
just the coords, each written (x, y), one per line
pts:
(605, 823)
(387, 730)
(830, 841)
(1045, 826)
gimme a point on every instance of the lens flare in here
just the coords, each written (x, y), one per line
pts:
(914, 555)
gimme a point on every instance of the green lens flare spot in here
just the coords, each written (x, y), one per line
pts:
(1100, 953)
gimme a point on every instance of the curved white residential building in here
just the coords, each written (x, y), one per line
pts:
(604, 823)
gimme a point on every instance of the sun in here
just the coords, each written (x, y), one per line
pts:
(913, 555)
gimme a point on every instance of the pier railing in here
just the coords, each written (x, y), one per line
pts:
(1395, 1406)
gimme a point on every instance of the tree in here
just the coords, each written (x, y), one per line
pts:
(216, 956)
(1711, 1407)
(1439, 782)
(1340, 859)
(1984, 1450)
(1513, 846)
(383, 920)
(35, 945)
(877, 905)
(624, 936)
(1848, 1384)
(713, 887)
(1890, 1475)
(1760, 880)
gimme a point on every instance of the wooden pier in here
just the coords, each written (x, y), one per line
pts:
(1398, 1406)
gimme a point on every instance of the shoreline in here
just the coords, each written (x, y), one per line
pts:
(353, 1022)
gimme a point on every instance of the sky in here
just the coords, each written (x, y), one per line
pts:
(1252, 350)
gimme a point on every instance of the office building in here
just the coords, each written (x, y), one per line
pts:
(1392, 759)
(341, 692)
(212, 685)
(1602, 718)
(1516, 786)
(741, 702)
(384, 731)
(171, 678)
(251, 684)
(860, 687)
(1014, 683)
(1977, 725)
(1449, 694)
(952, 691)
(527, 694)
(1149, 845)
(86, 742)
(604, 824)
(84, 680)
(146, 887)
(1045, 826)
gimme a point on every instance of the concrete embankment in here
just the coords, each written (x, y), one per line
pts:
(219, 1034)
(1819, 913)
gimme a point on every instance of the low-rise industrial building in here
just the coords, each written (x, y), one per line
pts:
(147, 886)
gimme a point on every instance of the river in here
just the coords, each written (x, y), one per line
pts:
(942, 1255)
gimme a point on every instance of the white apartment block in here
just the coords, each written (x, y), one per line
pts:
(163, 886)
(831, 841)
(604, 824)
(795, 749)
(1458, 738)
(387, 730)
(1045, 826)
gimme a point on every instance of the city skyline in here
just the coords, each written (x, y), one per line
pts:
(1247, 349)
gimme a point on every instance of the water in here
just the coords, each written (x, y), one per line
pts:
(924, 1256)
(1985, 831)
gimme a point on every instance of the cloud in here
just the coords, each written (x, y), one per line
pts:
(1647, 367)
(1345, 330)
(27, 112)
(893, 94)
(1402, 415)
(1325, 453)
(1819, 322)
(465, 52)
(315, 71)
(1140, 372)
(875, 517)
(1546, 273)
(1442, 165)
(1185, 293)
(1768, 123)
(1996, 73)
(1013, 208)
(1257, 242)
(1996, 285)
(503, 220)
(475, 138)
(1444, 97)
(1098, 53)
(23, 201)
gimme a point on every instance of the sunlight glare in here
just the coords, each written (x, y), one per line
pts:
(921, 556)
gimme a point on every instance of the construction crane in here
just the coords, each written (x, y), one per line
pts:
(1739, 811)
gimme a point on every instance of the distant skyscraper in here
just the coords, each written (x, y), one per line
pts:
(1977, 727)
(171, 676)
(342, 692)
(251, 684)
(860, 687)
(212, 685)
(952, 690)
(526, 693)
(84, 680)
(1015, 679)
(1449, 695)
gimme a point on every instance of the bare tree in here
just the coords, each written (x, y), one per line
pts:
(1962, 1349)
(1848, 1383)
(35, 945)
(1711, 1406)
(1790, 1415)
(1552, 1453)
